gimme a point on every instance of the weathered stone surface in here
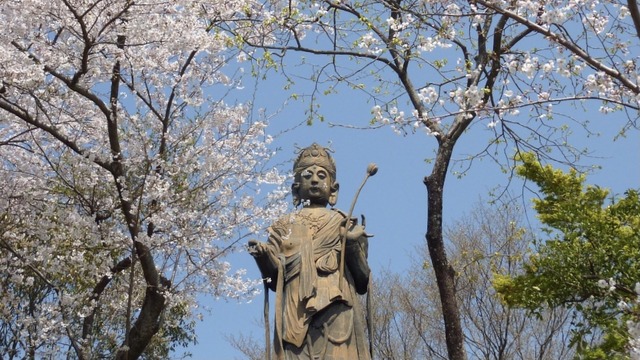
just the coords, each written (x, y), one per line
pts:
(318, 315)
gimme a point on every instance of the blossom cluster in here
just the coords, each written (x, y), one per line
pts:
(559, 51)
(632, 309)
(633, 325)
(115, 131)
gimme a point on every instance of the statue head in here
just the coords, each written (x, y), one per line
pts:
(315, 161)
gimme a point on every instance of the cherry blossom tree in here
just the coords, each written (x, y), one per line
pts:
(515, 70)
(126, 176)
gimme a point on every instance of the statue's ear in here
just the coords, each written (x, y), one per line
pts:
(294, 193)
(333, 197)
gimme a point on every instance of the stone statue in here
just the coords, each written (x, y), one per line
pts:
(316, 261)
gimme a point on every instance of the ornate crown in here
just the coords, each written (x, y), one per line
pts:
(315, 155)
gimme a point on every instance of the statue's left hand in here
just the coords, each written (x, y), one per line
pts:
(355, 231)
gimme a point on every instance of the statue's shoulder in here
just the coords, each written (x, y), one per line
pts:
(283, 222)
(339, 212)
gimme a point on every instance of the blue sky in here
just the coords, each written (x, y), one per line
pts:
(394, 201)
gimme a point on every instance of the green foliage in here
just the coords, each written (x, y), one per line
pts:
(589, 263)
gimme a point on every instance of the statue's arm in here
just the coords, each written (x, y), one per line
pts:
(356, 253)
(267, 261)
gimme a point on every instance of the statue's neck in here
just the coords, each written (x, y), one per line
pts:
(314, 210)
(319, 205)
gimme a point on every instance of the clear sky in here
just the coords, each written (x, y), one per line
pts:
(393, 201)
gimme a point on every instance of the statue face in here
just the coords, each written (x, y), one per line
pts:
(315, 186)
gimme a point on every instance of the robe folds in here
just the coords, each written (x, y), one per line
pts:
(314, 317)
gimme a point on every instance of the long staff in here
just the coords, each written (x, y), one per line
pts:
(372, 169)
(265, 310)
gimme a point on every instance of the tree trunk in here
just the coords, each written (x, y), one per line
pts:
(445, 274)
(146, 326)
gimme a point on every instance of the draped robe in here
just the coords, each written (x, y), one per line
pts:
(314, 317)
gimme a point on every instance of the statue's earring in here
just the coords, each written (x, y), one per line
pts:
(294, 194)
(333, 197)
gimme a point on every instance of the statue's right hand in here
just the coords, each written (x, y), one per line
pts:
(256, 248)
